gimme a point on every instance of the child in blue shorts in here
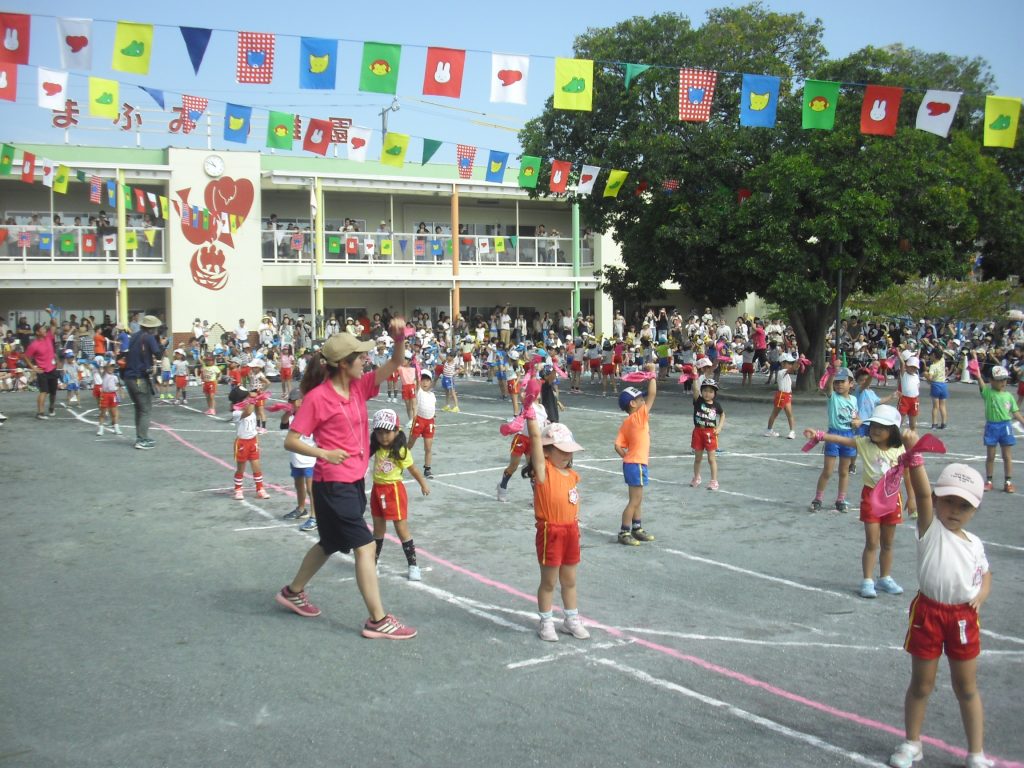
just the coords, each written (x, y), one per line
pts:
(842, 411)
(1000, 411)
(633, 444)
(935, 374)
(301, 469)
(448, 372)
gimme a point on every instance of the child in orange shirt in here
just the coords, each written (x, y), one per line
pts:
(633, 444)
(556, 507)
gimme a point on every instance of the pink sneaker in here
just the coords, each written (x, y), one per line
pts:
(262, 494)
(695, 482)
(388, 628)
(210, 412)
(297, 602)
(238, 494)
(713, 485)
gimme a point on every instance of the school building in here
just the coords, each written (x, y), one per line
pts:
(242, 234)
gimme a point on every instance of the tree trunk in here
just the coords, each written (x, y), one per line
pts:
(811, 328)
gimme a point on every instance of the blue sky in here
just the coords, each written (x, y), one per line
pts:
(541, 29)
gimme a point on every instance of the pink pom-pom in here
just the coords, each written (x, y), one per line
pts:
(973, 368)
(638, 376)
(280, 407)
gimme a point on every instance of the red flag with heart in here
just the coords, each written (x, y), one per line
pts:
(318, 136)
(560, 175)
(465, 154)
(443, 73)
(880, 110)
(28, 168)
(8, 81)
(14, 29)
(255, 59)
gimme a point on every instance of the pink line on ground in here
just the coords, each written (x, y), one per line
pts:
(753, 682)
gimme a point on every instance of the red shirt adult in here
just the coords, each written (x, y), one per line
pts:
(41, 353)
(100, 343)
(760, 338)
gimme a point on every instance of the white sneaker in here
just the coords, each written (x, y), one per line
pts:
(978, 761)
(502, 494)
(546, 631)
(573, 625)
(906, 754)
(100, 430)
(770, 433)
(117, 430)
(414, 573)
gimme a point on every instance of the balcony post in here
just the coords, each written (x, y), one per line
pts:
(456, 298)
(122, 257)
(575, 259)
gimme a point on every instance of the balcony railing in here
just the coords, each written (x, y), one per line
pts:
(289, 247)
(77, 245)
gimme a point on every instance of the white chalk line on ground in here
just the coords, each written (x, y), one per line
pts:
(565, 651)
(742, 714)
(585, 465)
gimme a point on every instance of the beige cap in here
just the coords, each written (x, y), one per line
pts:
(560, 436)
(963, 481)
(341, 345)
(151, 321)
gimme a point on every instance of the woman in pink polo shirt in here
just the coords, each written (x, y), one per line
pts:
(41, 357)
(335, 390)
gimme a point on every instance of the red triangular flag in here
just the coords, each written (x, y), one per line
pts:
(560, 175)
(880, 110)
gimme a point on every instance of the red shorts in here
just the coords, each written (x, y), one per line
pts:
(423, 428)
(96, 391)
(438, 369)
(704, 439)
(558, 544)
(286, 374)
(909, 406)
(520, 445)
(180, 382)
(867, 514)
(408, 391)
(389, 501)
(747, 368)
(617, 359)
(934, 625)
(782, 399)
(467, 357)
(209, 387)
(247, 449)
(576, 365)
(608, 369)
(245, 370)
(108, 400)
(235, 374)
(595, 363)
(513, 386)
(393, 376)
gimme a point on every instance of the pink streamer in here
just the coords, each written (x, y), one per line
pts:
(531, 392)
(687, 374)
(809, 445)
(804, 362)
(281, 407)
(973, 368)
(884, 494)
(638, 376)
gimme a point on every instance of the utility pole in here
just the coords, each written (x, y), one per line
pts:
(395, 106)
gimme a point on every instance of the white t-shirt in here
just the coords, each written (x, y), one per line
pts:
(910, 384)
(299, 460)
(506, 323)
(785, 381)
(426, 404)
(245, 426)
(949, 568)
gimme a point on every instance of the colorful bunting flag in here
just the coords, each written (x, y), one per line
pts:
(880, 110)
(279, 130)
(133, 43)
(112, 194)
(60, 179)
(483, 246)
(509, 74)
(46, 241)
(443, 73)
(110, 242)
(358, 143)
(759, 101)
(95, 187)
(140, 199)
(254, 61)
(88, 242)
(465, 155)
(334, 244)
(936, 112)
(318, 63)
(154, 206)
(14, 30)
(430, 147)
(80, 175)
(6, 160)
(318, 136)
(633, 71)
(192, 109)
(496, 163)
(369, 247)
(67, 242)
(196, 39)
(8, 81)
(237, 118)
(386, 248)
(155, 94)
(104, 98)
(394, 148)
(574, 84)
(559, 181)
(48, 169)
(378, 72)
(499, 244)
(53, 88)
(615, 181)
(352, 246)
(165, 208)
(74, 38)
(670, 185)
(588, 175)
(131, 240)
(819, 104)
(696, 91)
(529, 171)
(1002, 113)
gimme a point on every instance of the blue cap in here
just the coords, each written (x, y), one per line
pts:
(627, 396)
(843, 374)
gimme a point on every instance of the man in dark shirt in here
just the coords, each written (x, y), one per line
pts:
(143, 348)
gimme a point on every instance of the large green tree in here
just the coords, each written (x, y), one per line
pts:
(880, 209)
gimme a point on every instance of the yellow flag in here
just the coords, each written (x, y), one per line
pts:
(131, 240)
(150, 235)
(133, 45)
(394, 149)
(164, 208)
(615, 181)
(499, 245)
(103, 98)
(385, 247)
(1002, 114)
(574, 84)
(60, 179)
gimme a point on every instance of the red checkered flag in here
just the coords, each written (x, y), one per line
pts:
(466, 156)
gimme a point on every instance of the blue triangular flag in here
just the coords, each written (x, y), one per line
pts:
(496, 166)
(759, 101)
(317, 62)
(156, 94)
(402, 244)
(196, 40)
(236, 123)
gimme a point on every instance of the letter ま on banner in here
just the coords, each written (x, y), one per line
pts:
(255, 58)
(696, 90)
(509, 73)
(880, 110)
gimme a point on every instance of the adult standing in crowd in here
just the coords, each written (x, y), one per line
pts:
(143, 349)
(41, 357)
(505, 326)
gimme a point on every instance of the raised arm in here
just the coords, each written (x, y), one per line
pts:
(397, 329)
(652, 387)
(919, 484)
(536, 449)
